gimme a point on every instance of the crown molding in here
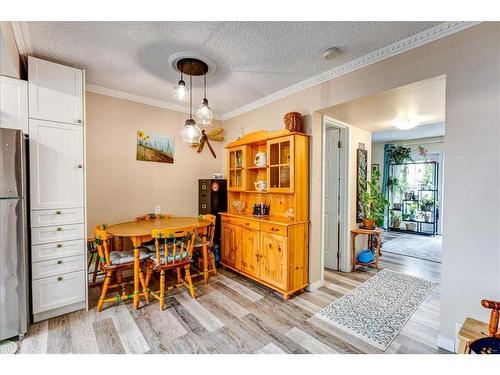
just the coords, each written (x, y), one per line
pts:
(23, 40)
(138, 98)
(427, 36)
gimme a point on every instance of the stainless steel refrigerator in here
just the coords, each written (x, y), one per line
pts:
(13, 235)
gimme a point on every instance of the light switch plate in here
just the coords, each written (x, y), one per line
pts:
(157, 210)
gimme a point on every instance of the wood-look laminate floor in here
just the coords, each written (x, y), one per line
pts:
(235, 315)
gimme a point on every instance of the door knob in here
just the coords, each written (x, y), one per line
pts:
(59, 278)
(79, 166)
(59, 262)
(58, 212)
(59, 245)
(59, 229)
(79, 121)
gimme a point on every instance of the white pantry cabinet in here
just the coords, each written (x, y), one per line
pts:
(57, 188)
(56, 165)
(13, 104)
(55, 92)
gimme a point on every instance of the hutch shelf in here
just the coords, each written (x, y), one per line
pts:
(272, 249)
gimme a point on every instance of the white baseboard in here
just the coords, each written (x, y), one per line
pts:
(446, 343)
(315, 285)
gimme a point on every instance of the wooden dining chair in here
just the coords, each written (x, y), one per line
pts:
(112, 263)
(173, 250)
(198, 244)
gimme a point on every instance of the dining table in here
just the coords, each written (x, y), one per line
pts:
(139, 231)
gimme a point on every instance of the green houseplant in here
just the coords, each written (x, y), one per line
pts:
(399, 154)
(395, 220)
(372, 201)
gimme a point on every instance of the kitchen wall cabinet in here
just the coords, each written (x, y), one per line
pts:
(55, 92)
(57, 188)
(13, 104)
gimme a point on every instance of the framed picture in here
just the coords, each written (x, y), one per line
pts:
(362, 175)
(154, 147)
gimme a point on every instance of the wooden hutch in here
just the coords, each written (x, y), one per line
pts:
(273, 249)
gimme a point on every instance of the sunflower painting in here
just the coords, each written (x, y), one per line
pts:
(154, 147)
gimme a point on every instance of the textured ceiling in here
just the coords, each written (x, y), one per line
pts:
(422, 101)
(254, 59)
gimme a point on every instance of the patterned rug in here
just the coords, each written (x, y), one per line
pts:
(379, 308)
(422, 247)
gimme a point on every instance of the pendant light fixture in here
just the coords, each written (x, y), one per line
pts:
(181, 89)
(190, 133)
(204, 113)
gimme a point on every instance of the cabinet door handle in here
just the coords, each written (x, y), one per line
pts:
(58, 212)
(59, 278)
(59, 262)
(79, 166)
(58, 229)
(79, 121)
(59, 245)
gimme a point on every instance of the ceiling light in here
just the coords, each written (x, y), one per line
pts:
(204, 113)
(190, 133)
(181, 90)
(406, 124)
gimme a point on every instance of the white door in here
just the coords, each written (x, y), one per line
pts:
(55, 92)
(332, 198)
(13, 104)
(56, 165)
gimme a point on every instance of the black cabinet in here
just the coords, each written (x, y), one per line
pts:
(212, 199)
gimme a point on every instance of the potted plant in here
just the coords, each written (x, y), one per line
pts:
(373, 201)
(411, 215)
(399, 154)
(395, 220)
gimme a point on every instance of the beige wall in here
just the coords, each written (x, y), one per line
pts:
(119, 188)
(9, 55)
(471, 245)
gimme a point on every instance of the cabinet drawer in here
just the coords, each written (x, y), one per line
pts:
(57, 267)
(40, 253)
(57, 291)
(57, 233)
(251, 224)
(274, 228)
(45, 218)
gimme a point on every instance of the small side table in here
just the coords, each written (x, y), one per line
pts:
(471, 330)
(371, 233)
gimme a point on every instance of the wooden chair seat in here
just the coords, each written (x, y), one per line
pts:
(198, 244)
(173, 250)
(126, 256)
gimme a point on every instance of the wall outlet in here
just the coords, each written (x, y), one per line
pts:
(157, 210)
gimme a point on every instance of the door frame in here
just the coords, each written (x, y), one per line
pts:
(329, 122)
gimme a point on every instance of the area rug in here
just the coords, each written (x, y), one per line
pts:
(379, 308)
(422, 247)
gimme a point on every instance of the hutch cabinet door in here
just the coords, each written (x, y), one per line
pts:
(235, 172)
(250, 245)
(56, 165)
(230, 242)
(273, 260)
(55, 92)
(280, 153)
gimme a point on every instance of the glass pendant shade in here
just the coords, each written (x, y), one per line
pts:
(204, 114)
(181, 90)
(190, 133)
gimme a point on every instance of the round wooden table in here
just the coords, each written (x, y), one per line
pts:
(140, 231)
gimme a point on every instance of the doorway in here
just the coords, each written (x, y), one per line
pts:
(334, 193)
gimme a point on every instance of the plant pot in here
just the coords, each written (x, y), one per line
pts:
(411, 226)
(368, 224)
